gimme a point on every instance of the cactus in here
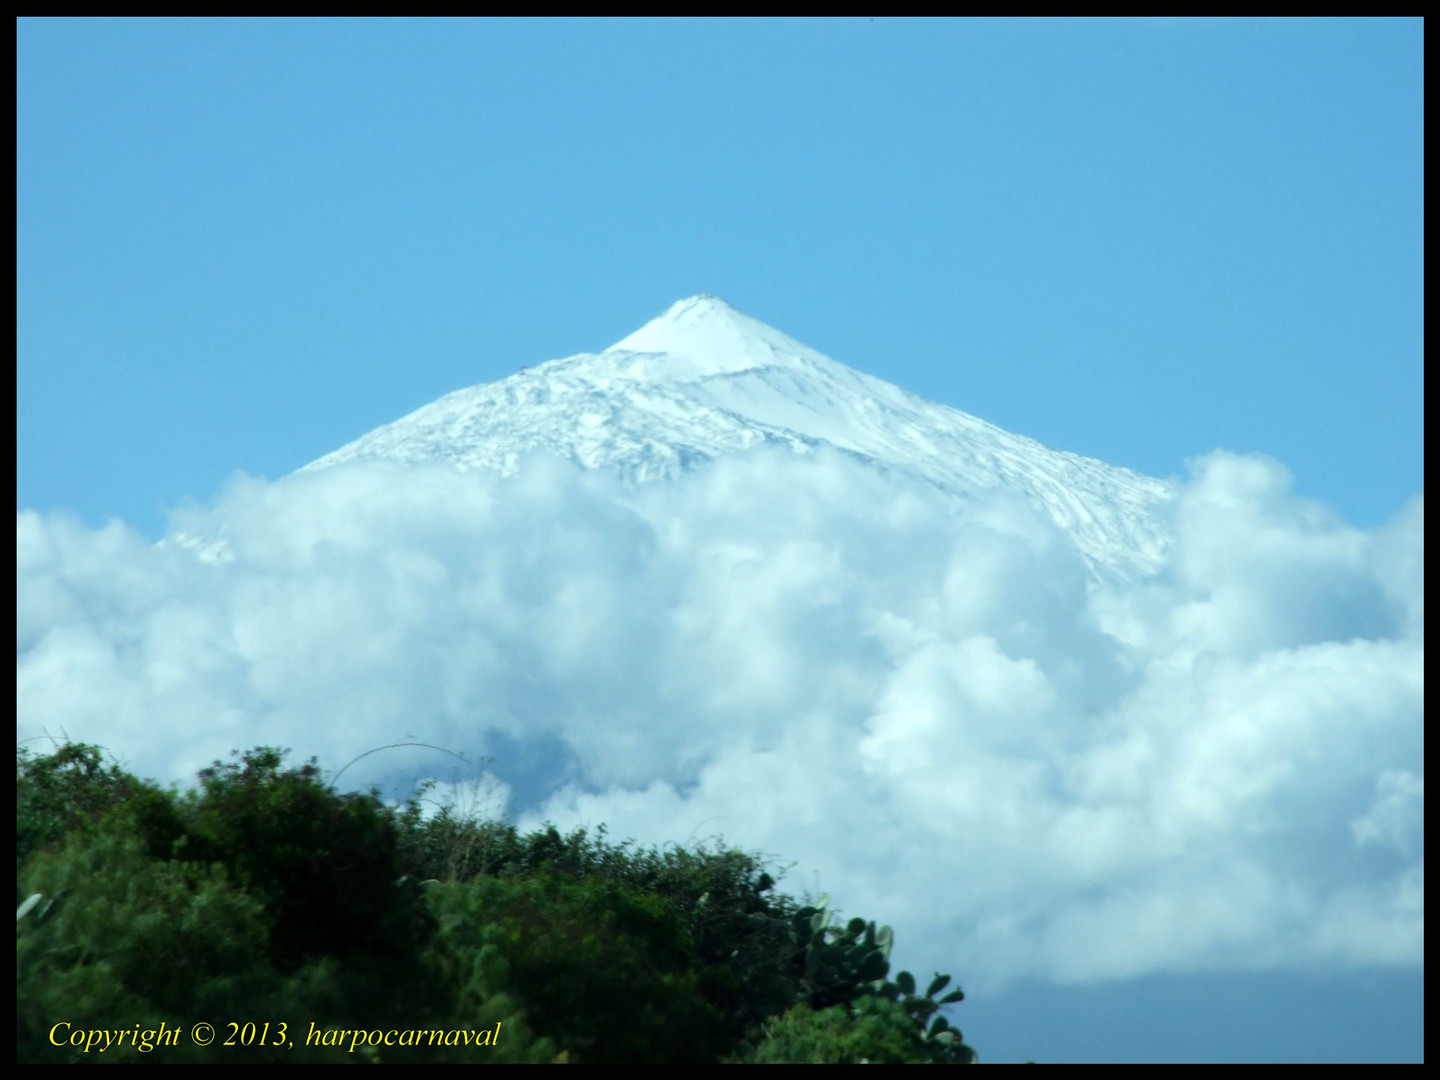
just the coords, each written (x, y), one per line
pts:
(873, 967)
(843, 963)
(839, 962)
(921, 1009)
(884, 939)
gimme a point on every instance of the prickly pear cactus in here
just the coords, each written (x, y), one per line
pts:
(841, 964)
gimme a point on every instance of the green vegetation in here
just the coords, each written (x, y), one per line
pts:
(263, 897)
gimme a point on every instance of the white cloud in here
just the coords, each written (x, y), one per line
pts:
(934, 715)
(1397, 816)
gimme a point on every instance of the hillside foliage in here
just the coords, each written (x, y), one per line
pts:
(261, 896)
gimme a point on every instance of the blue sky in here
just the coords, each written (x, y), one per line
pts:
(243, 244)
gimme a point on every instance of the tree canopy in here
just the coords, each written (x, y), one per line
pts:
(283, 913)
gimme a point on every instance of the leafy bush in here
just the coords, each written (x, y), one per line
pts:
(58, 792)
(264, 894)
(136, 938)
(744, 959)
(599, 967)
(872, 1031)
(325, 865)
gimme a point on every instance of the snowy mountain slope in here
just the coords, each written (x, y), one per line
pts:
(704, 380)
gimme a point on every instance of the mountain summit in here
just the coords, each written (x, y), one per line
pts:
(703, 380)
(712, 338)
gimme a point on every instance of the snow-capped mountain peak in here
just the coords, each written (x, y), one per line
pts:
(703, 380)
(712, 338)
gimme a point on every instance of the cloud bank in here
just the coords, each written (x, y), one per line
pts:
(934, 714)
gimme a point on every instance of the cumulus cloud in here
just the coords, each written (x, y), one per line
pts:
(935, 713)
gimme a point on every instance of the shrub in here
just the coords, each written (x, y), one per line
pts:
(55, 793)
(264, 894)
(324, 865)
(133, 938)
(599, 967)
(872, 1030)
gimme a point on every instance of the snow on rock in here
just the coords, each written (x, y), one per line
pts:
(704, 380)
